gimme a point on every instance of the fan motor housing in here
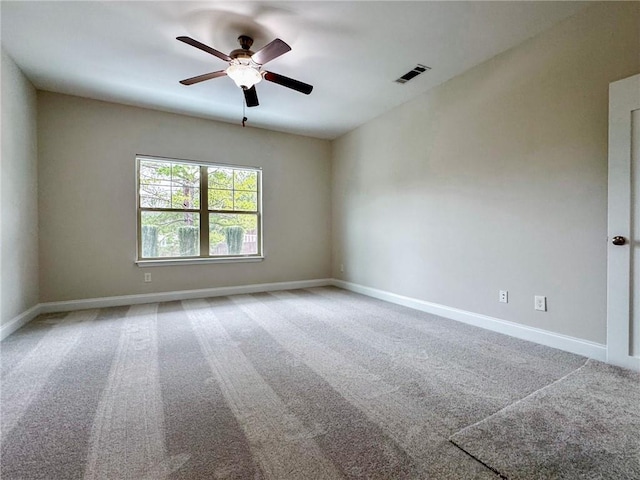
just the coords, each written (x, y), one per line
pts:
(244, 51)
(245, 41)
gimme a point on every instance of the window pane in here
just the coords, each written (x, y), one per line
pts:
(185, 197)
(233, 234)
(245, 201)
(220, 200)
(155, 196)
(246, 180)
(169, 185)
(185, 186)
(154, 172)
(185, 175)
(169, 234)
(220, 178)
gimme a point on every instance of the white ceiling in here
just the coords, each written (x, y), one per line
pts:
(351, 52)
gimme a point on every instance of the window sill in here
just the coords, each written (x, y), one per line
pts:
(196, 261)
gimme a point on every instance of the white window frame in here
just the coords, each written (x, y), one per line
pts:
(203, 211)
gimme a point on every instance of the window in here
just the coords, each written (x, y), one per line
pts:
(196, 211)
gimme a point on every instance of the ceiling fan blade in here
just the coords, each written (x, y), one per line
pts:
(202, 78)
(270, 51)
(205, 48)
(251, 96)
(296, 85)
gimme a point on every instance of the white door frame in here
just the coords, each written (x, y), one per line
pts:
(624, 98)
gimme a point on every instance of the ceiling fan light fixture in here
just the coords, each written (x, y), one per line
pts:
(245, 67)
(244, 75)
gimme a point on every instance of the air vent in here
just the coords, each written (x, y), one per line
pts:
(417, 70)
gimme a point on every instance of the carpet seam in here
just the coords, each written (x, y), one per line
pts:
(501, 475)
(522, 399)
(494, 470)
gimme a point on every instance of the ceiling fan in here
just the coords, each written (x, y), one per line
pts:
(245, 67)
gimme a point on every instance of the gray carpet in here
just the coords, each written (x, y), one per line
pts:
(586, 425)
(302, 384)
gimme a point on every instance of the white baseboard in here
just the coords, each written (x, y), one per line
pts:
(19, 321)
(556, 340)
(71, 305)
(103, 302)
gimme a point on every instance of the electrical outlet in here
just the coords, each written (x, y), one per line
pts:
(503, 296)
(147, 278)
(540, 303)
(341, 268)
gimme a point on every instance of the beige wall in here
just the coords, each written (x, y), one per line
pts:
(495, 180)
(18, 194)
(87, 198)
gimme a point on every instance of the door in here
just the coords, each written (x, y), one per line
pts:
(623, 255)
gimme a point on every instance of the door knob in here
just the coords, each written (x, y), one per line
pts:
(618, 240)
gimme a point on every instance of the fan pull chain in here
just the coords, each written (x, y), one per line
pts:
(244, 117)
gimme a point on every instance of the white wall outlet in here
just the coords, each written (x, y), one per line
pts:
(342, 268)
(503, 296)
(147, 278)
(540, 303)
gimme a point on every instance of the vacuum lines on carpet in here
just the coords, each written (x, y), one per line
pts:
(302, 384)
